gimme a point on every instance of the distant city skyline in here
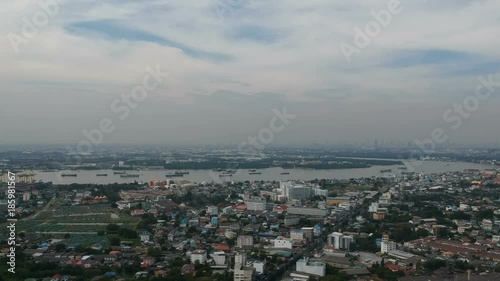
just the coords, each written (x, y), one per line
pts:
(231, 63)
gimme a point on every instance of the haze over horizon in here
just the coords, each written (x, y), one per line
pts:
(230, 63)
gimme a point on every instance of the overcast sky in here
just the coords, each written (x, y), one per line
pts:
(231, 62)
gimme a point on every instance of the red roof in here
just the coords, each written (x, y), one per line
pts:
(393, 267)
(187, 268)
(240, 207)
(280, 208)
(138, 212)
(409, 271)
(223, 247)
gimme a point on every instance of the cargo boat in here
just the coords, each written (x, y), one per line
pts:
(129, 176)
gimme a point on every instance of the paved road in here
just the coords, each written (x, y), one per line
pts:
(284, 270)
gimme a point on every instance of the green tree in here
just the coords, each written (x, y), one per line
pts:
(60, 247)
(432, 265)
(127, 233)
(112, 228)
(485, 214)
(114, 240)
(460, 216)
(154, 252)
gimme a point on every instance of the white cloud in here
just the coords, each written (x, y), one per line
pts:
(303, 56)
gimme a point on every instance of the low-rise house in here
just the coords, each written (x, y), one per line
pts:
(187, 269)
(160, 273)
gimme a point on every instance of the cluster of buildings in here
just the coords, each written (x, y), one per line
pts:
(262, 229)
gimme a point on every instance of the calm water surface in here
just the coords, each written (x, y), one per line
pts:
(427, 167)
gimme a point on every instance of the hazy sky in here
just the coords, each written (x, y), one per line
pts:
(231, 62)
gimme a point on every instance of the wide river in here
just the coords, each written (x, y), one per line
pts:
(90, 176)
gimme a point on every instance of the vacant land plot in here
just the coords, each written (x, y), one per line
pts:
(85, 240)
(80, 218)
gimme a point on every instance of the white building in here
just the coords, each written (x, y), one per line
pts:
(346, 206)
(373, 208)
(122, 205)
(384, 199)
(299, 276)
(219, 257)
(308, 232)
(464, 207)
(322, 205)
(213, 210)
(229, 234)
(272, 195)
(242, 273)
(297, 234)
(199, 255)
(340, 241)
(241, 258)
(495, 238)
(311, 267)
(26, 196)
(298, 192)
(259, 267)
(244, 241)
(256, 204)
(145, 237)
(387, 245)
(294, 191)
(283, 243)
(319, 192)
